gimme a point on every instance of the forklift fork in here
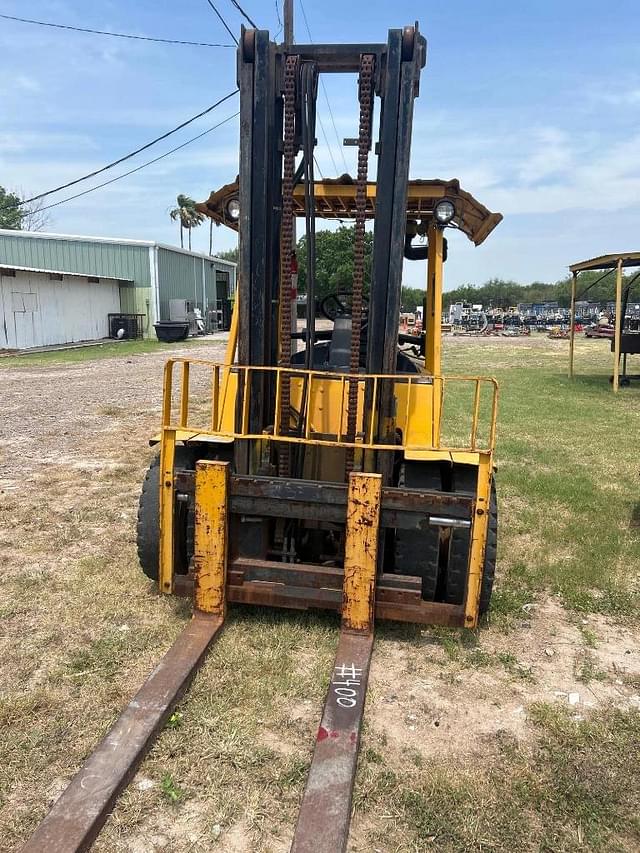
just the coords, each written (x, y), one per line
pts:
(325, 813)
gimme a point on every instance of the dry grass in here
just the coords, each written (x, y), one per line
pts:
(470, 741)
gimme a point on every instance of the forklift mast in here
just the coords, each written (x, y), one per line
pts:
(278, 89)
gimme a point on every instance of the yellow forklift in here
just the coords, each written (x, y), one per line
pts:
(427, 557)
(349, 475)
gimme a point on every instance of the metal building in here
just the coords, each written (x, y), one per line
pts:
(58, 289)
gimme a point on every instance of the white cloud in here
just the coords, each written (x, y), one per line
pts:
(552, 155)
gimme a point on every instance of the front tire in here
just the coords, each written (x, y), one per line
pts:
(458, 567)
(148, 528)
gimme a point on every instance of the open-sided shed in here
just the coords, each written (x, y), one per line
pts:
(604, 263)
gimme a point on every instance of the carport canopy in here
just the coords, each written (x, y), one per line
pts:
(606, 263)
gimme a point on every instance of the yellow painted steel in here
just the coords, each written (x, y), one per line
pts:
(184, 396)
(232, 343)
(361, 551)
(619, 322)
(479, 529)
(458, 457)
(187, 435)
(326, 403)
(433, 320)
(225, 407)
(211, 536)
(167, 458)
(323, 397)
(572, 328)
(414, 412)
(347, 191)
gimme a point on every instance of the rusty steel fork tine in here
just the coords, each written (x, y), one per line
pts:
(325, 813)
(78, 815)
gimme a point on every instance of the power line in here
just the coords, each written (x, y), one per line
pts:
(324, 134)
(225, 24)
(326, 97)
(244, 14)
(142, 166)
(132, 154)
(114, 35)
(279, 17)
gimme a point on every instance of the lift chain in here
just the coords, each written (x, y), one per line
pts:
(286, 249)
(365, 92)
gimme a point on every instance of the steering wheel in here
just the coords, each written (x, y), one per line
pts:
(340, 304)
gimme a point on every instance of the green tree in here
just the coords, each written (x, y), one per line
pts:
(412, 298)
(11, 214)
(229, 255)
(334, 261)
(187, 215)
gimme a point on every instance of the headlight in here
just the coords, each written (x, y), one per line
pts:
(233, 209)
(444, 211)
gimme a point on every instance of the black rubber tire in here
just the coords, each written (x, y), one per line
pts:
(458, 566)
(417, 552)
(148, 527)
(491, 552)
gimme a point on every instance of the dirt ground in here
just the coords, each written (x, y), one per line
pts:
(81, 628)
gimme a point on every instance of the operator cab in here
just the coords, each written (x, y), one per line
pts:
(332, 347)
(432, 206)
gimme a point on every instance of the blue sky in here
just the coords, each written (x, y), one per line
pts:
(534, 106)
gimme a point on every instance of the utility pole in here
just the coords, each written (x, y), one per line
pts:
(288, 22)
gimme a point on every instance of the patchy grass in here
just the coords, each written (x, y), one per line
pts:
(92, 352)
(574, 787)
(567, 485)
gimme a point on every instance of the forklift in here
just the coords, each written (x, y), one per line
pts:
(292, 427)
(347, 474)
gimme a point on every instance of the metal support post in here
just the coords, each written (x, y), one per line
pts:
(572, 331)
(167, 457)
(433, 320)
(479, 527)
(288, 22)
(618, 330)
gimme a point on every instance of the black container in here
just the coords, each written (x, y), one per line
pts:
(171, 331)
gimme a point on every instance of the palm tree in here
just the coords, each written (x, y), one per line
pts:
(187, 215)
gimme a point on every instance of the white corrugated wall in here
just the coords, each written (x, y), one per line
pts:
(36, 311)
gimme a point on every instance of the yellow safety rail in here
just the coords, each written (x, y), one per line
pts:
(420, 402)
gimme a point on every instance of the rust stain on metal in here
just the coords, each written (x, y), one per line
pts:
(361, 549)
(211, 532)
